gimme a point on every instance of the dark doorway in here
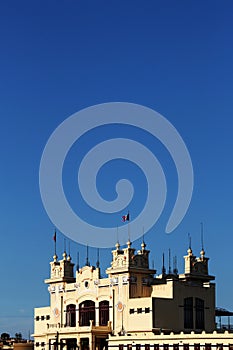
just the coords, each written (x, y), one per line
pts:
(101, 344)
(84, 342)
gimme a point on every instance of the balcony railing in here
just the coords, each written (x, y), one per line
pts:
(90, 327)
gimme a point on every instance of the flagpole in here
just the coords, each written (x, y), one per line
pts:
(55, 242)
(128, 226)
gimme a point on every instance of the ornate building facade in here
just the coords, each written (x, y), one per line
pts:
(131, 307)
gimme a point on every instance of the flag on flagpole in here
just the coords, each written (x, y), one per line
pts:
(125, 218)
(55, 236)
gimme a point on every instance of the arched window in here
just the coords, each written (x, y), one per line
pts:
(103, 313)
(71, 315)
(86, 313)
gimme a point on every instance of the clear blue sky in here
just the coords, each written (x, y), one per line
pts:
(58, 57)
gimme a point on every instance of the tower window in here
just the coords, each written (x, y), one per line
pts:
(188, 313)
(103, 313)
(200, 319)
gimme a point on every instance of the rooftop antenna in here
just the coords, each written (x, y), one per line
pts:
(175, 270)
(169, 261)
(163, 268)
(87, 259)
(69, 257)
(98, 258)
(202, 240)
(190, 241)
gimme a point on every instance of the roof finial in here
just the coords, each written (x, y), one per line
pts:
(64, 254)
(69, 257)
(143, 245)
(190, 245)
(117, 245)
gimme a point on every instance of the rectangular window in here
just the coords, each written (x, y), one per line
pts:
(175, 346)
(147, 346)
(37, 318)
(129, 346)
(131, 311)
(207, 346)
(139, 310)
(156, 346)
(165, 346)
(147, 310)
(121, 346)
(200, 320)
(186, 346)
(188, 313)
(196, 346)
(138, 346)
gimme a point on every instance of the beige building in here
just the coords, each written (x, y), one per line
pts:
(130, 308)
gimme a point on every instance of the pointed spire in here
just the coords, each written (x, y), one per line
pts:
(169, 261)
(55, 246)
(202, 253)
(163, 267)
(77, 267)
(98, 258)
(175, 270)
(87, 258)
